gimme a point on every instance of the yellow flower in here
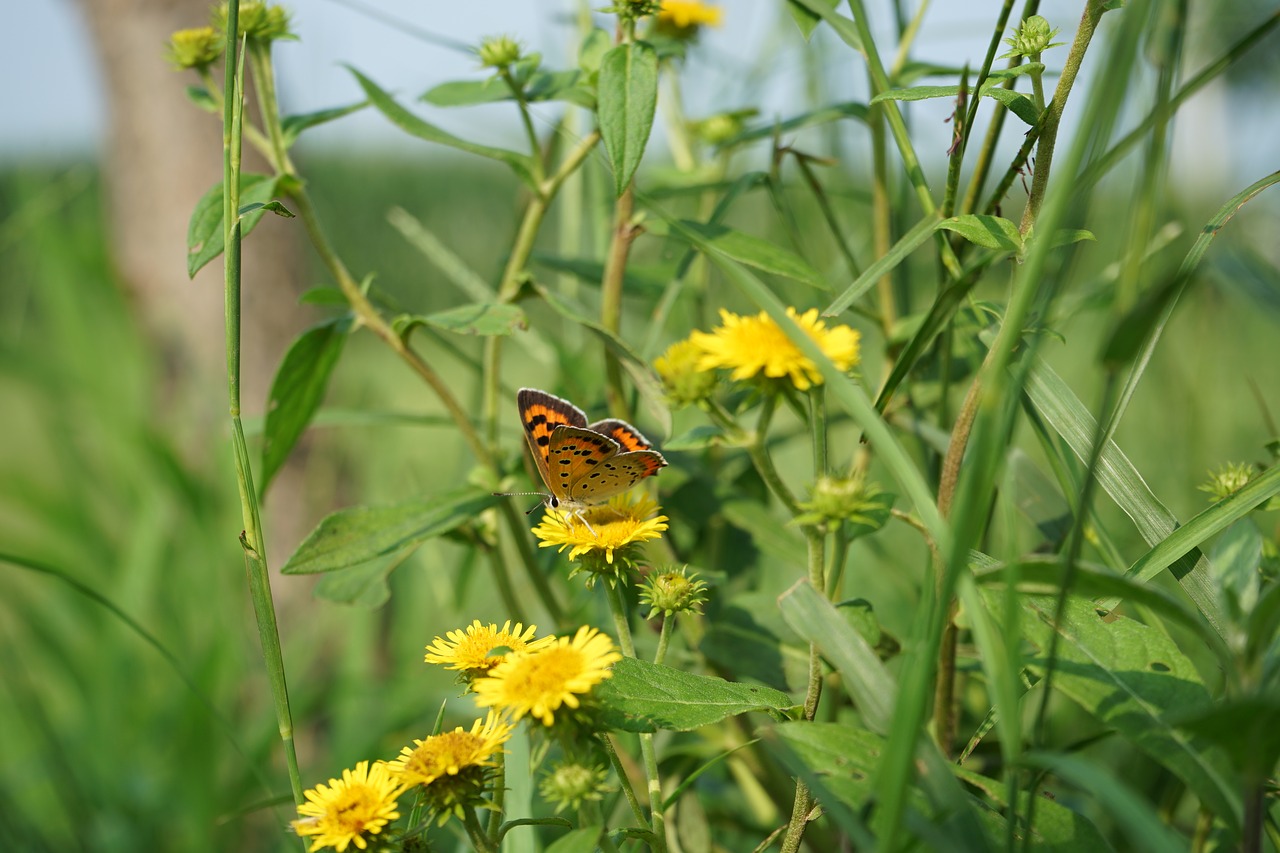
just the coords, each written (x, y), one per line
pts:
(347, 810)
(683, 14)
(603, 529)
(449, 753)
(538, 683)
(453, 768)
(752, 345)
(685, 384)
(478, 648)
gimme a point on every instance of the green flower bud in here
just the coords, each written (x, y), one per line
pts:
(685, 384)
(834, 500)
(673, 592)
(499, 52)
(195, 48)
(570, 784)
(1228, 480)
(1031, 38)
(257, 20)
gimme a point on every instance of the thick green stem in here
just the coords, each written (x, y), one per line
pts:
(664, 638)
(251, 538)
(479, 841)
(758, 450)
(623, 779)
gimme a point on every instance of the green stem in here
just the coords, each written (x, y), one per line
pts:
(479, 841)
(1093, 12)
(828, 214)
(758, 450)
(664, 638)
(499, 797)
(617, 605)
(988, 150)
(251, 539)
(623, 779)
(525, 119)
(615, 267)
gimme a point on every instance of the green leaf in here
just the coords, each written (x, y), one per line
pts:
(357, 535)
(1064, 412)
(1017, 103)
(521, 164)
(840, 762)
(1131, 677)
(463, 93)
(585, 840)
(917, 93)
(270, 207)
(293, 126)
(846, 29)
(752, 251)
(1058, 829)
(298, 389)
(628, 95)
(595, 44)
(1245, 728)
(646, 382)
(806, 20)
(363, 585)
(641, 279)
(487, 319)
(645, 697)
(200, 96)
(909, 242)
(204, 232)
(813, 118)
(1132, 813)
(989, 232)
(816, 620)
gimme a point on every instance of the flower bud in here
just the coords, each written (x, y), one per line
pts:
(499, 51)
(673, 592)
(570, 784)
(195, 48)
(685, 384)
(1032, 37)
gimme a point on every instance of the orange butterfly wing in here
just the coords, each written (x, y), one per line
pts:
(540, 414)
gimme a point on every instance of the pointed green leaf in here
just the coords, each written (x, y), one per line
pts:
(298, 389)
(1017, 103)
(585, 840)
(753, 252)
(270, 207)
(806, 20)
(359, 534)
(628, 95)
(411, 124)
(200, 96)
(486, 318)
(204, 232)
(644, 697)
(463, 93)
(813, 118)
(989, 232)
(293, 126)
(846, 29)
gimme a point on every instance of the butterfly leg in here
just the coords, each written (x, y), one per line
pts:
(581, 515)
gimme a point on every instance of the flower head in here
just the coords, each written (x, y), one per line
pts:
(539, 683)
(195, 48)
(499, 51)
(682, 18)
(454, 767)
(1032, 37)
(569, 784)
(257, 20)
(685, 384)
(478, 648)
(605, 534)
(833, 500)
(349, 810)
(754, 345)
(1227, 480)
(673, 591)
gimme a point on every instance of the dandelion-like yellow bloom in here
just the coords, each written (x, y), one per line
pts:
(752, 345)
(450, 753)
(348, 810)
(539, 683)
(683, 14)
(604, 529)
(478, 648)
(684, 383)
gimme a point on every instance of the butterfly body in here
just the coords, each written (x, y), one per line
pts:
(582, 465)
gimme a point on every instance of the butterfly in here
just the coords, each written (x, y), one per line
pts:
(582, 465)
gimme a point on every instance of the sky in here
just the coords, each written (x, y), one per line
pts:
(55, 106)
